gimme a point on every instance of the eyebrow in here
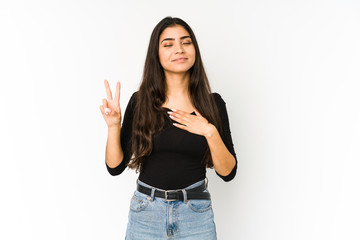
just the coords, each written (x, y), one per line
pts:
(169, 39)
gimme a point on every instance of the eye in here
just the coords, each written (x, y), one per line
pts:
(167, 45)
(187, 43)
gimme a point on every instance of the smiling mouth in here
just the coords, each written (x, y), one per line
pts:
(180, 60)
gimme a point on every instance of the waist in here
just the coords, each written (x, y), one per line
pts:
(194, 185)
(197, 190)
(171, 180)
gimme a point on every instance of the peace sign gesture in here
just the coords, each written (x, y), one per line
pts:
(111, 107)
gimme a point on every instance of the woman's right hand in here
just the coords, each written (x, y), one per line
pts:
(110, 108)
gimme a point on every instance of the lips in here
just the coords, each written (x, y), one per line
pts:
(179, 59)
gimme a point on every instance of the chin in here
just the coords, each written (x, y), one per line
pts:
(178, 70)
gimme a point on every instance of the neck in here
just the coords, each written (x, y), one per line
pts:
(177, 84)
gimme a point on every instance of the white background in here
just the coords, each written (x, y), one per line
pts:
(288, 71)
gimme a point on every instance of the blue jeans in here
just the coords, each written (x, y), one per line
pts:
(153, 218)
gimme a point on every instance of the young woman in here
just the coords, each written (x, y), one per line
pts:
(174, 128)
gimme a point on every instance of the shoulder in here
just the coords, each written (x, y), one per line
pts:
(133, 96)
(221, 104)
(133, 99)
(218, 99)
(131, 105)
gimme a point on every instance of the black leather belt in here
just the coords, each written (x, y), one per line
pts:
(177, 195)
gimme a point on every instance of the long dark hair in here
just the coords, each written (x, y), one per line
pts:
(151, 95)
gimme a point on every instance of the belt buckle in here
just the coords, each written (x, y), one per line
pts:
(166, 195)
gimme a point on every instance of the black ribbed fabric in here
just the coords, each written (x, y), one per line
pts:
(175, 161)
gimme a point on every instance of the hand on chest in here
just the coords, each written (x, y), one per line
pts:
(175, 140)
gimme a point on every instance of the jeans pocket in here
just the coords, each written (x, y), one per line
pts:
(139, 201)
(198, 205)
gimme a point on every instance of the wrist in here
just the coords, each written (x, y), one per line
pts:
(210, 131)
(115, 127)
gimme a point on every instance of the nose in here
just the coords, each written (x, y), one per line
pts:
(179, 48)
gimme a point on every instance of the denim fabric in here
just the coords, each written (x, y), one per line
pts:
(157, 219)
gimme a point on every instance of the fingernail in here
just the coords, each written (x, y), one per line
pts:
(174, 110)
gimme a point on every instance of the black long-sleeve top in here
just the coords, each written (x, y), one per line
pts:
(176, 158)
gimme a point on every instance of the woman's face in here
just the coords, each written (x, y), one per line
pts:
(176, 50)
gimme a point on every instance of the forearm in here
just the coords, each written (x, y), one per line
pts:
(223, 160)
(114, 154)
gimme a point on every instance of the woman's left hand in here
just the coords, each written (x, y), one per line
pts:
(191, 123)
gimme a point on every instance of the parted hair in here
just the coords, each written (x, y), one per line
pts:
(151, 95)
